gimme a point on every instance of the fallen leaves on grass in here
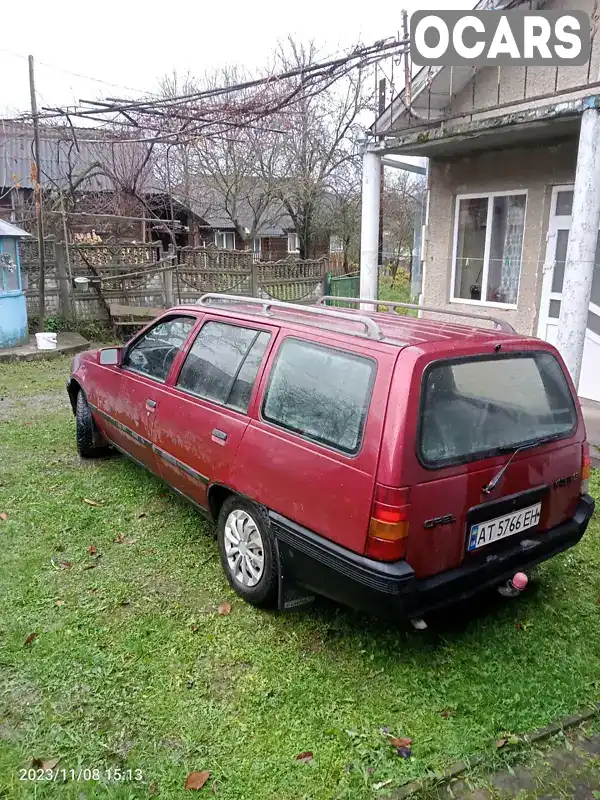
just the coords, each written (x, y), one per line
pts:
(90, 502)
(120, 538)
(92, 566)
(501, 743)
(59, 603)
(194, 628)
(447, 713)
(31, 638)
(92, 550)
(400, 741)
(524, 626)
(304, 758)
(224, 609)
(382, 784)
(4, 516)
(44, 764)
(65, 564)
(142, 515)
(196, 780)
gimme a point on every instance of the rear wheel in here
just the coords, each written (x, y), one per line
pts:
(90, 442)
(247, 550)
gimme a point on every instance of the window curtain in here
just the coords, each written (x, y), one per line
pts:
(513, 248)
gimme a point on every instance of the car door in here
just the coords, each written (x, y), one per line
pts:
(197, 436)
(311, 450)
(131, 408)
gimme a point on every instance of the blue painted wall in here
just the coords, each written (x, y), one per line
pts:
(13, 319)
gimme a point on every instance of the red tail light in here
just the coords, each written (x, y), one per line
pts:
(388, 529)
(586, 467)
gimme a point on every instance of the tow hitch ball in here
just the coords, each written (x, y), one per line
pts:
(514, 586)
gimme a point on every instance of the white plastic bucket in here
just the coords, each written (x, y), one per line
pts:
(45, 341)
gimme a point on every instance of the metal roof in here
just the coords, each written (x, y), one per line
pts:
(209, 203)
(6, 229)
(66, 155)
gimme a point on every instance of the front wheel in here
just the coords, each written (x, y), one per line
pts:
(90, 442)
(247, 550)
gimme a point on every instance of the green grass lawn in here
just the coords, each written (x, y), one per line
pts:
(132, 666)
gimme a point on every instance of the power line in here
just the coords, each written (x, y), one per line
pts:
(70, 72)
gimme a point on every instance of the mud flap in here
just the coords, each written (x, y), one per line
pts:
(290, 596)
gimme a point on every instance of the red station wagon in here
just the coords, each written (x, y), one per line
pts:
(391, 463)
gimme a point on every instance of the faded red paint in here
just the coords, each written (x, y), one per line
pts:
(322, 489)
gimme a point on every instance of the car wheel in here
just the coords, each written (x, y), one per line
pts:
(90, 442)
(247, 550)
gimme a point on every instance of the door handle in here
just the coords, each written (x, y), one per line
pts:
(150, 405)
(219, 436)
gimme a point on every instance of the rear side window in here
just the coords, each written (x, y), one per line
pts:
(320, 393)
(479, 407)
(223, 363)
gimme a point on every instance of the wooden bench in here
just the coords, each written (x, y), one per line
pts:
(132, 316)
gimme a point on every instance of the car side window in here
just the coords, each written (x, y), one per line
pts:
(320, 393)
(154, 353)
(223, 363)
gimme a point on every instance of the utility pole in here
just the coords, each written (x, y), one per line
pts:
(35, 174)
(381, 105)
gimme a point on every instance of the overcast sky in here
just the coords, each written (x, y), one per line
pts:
(132, 44)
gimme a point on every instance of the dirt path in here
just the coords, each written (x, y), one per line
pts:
(33, 405)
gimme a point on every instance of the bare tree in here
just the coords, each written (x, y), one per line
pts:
(343, 217)
(402, 199)
(321, 132)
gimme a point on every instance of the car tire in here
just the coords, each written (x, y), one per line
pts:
(90, 442)
(252, 569)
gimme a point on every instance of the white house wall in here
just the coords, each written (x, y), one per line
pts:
(517, 82)
(534, 169)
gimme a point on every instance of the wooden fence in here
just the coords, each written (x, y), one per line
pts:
(147, 275)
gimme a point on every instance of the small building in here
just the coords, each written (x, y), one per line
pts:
(13, 308)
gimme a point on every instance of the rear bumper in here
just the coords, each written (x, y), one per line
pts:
(320, 566)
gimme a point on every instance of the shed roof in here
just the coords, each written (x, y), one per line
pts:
(6, 229)
(67, 155)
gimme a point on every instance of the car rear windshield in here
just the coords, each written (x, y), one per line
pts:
(474, 408)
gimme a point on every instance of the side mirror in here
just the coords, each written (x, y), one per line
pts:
(110, 356)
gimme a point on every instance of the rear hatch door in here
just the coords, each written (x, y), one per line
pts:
(499, 457)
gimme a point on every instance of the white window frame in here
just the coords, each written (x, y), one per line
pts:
(293, 237)
(486, 253)
(257, 244)
(336, 245)
(224, 234)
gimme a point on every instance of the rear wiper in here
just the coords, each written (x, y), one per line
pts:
(489, 487)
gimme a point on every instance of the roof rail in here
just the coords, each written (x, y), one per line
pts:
(498, 323)
(372, 329)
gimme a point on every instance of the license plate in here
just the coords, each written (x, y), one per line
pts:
(492, 530)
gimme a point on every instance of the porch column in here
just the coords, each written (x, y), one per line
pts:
(581, 251)
(369, 229)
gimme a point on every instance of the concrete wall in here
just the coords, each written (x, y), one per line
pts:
(535, 169)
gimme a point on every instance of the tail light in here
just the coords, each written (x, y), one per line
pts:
(388, 528)
(586, 468)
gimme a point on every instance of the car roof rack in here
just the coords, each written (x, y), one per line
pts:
(498, 323)
(264, 307)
